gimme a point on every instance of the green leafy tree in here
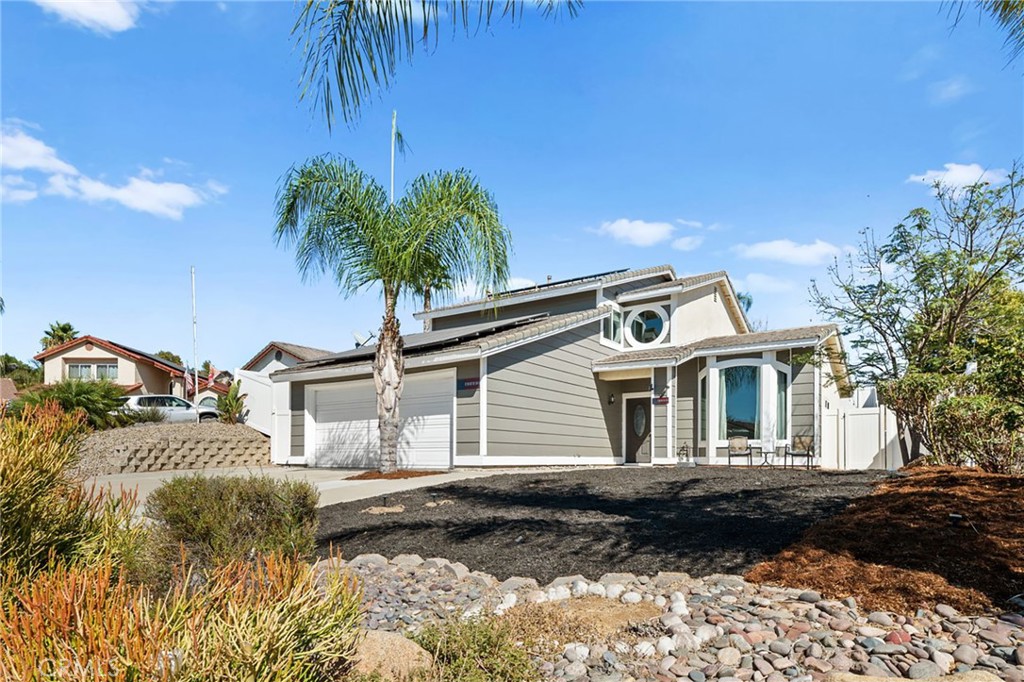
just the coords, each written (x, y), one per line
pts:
(169, 357)
(341, 223)
(21, 373)
(58, 333)
(352, 49)
(928, 288)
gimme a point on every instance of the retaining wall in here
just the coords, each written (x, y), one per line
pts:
(193, 454)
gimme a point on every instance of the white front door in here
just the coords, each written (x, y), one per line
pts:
(344, 423)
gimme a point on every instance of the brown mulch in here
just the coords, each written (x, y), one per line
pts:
(394, 475)
(897, 549)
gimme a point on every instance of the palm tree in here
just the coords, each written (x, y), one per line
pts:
(446, 230)
(1009, 14)
(352, 48)
(58, 333)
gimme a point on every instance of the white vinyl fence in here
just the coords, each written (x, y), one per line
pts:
(258, 402)
(859, 438)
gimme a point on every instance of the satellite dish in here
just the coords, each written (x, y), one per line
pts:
(362, 339)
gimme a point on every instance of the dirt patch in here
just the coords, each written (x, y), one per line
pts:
(548, 627)
(595, 521)
(393, 476)
(898, 549)
(383, 510)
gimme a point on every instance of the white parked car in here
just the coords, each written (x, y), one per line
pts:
(174, 408)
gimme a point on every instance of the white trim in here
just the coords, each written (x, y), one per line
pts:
(640, 364)
(627, 326)
(711, 352)
(623, 397)
(482, 391)
(533, 460)
(296, 462)
(677, 289)
(768, 364)
(670, 440)
(537, 337)
(455, 419)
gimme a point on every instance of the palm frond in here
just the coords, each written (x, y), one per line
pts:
(351, 48)
(1009, 14)
(455, 233)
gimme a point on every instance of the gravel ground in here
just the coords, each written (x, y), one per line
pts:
(595, 521)
(98, 450)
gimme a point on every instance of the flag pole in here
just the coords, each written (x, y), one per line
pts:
(195, 345)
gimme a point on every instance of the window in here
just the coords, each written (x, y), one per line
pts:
(611, 327)
(703, 409)
(647, 326)
(107, 371)
(79, 371)
(178, 402)
(782, 411)
(739, 395)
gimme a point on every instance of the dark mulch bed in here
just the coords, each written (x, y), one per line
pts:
(898, 549)
(593, 521)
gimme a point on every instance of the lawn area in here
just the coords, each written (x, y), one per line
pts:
(899, 549)
(595, 521)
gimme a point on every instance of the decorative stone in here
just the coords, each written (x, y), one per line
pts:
(923, 670)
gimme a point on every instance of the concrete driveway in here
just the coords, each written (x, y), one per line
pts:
(333, 484)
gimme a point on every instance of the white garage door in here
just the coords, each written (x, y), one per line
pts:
(345, 423)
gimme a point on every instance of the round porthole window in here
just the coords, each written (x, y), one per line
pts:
(639, 421)
(278, 355)
(647, 326)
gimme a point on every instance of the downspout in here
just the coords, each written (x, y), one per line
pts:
(817, 405)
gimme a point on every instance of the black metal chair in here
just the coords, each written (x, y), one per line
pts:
(739, 446)
(801, 447)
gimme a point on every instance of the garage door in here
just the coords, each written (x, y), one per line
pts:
(345, 423)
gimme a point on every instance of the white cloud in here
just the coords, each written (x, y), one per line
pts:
(101, 16)
(758, 283)
(637, 232)
(688, 243)
(14, 189)
(788, 251)
(21, 151)
(918, 63)
(960, 175)
(142, 192)
(695, 224)
(950, 90)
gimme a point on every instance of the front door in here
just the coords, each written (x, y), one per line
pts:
(638, 430)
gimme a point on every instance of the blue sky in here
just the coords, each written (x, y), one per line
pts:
(758, 138)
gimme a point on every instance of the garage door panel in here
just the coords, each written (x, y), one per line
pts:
(346, 429)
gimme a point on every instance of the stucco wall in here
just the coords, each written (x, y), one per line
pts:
(268, 364)
(701, 314)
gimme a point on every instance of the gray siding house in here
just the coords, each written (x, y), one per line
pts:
(636, 367)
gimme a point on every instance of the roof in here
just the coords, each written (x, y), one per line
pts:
(300, 353)
(173, 368)
(477, 339)
(677, 354)
(552, 288)
(682, 282)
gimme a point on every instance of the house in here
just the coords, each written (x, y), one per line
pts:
(93, 358)
(628, 367)
(255, 378)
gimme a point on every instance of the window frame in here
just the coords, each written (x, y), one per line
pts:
(771, 369)
(79, 365)
(97, 367)
(627, 327)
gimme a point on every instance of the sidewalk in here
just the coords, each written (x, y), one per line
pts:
(333, 484)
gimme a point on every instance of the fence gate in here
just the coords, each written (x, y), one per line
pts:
(859, 438)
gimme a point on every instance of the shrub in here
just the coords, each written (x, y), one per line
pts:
(214, 520)
(275, 620)
(46, 516)
(477, 650)
(143, 415)
(232, 406)
(983, 429)
(97, 400)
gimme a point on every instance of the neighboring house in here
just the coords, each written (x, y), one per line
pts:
(92, 358)
(209, 391)
(255, 378)
(626, 367)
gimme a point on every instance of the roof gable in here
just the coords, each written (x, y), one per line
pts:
(300, 353)
(128, 352)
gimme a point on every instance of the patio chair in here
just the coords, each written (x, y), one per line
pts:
(739, 446)
(801, 447)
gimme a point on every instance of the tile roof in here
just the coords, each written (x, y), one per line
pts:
(680, 353)
(134, 353)
(684, 282)
(603, 278)
(302, 353)
(473, 338)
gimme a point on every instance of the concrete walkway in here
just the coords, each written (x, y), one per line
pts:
(333, 484)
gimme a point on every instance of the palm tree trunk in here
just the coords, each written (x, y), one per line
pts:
(388, 369)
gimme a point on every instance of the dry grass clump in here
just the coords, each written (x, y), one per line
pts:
(546, 628)
(898, 549)
(269, 620)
